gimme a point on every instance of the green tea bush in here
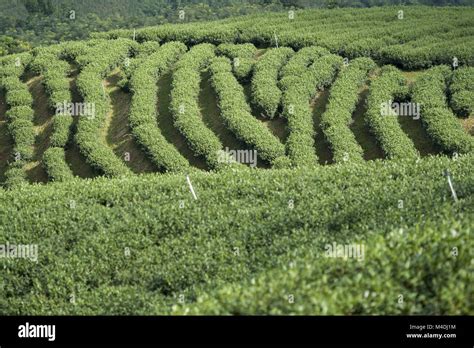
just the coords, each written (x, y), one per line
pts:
(23, 112)
(184, 103)
(54, 162)
(146, 235)
(96, 64)
(143, 111)
(15, 64)
(419, 42)
(73, 49)
(386, 128)
(19, 116)
(19, 97)
(309, 70)
(15, 175)
(343, 99)
(242, 56)
(462, 91)
(237, 114)
(408, 280)
(441, 124)
(55, 72)
(266, 95)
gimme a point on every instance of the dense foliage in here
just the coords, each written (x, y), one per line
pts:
(54, 72)
(417, 37)
(342, 102)
(194, 233)
(96, 63)
(19, 115)
(242, 56)
(266, 95)
(310, 69)
(50, 21)
(142, 245)
(184, 103)
(237, 114)
(461, 89)
(143, 107)
(441, 123)
(384, 90)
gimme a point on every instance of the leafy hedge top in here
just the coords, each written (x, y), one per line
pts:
(237, 114)
(15, 64)
(184, 103)
(96, 64)
(430, 92)
(342, 103)
(246, 50)
(425, 37)
(384, 90)
(19, 116)
(142, 116)
(200, 248)
(461, 88)
(309, 70)
(266, 94)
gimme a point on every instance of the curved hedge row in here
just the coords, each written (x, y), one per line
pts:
(184, 103)
(54, 72)
(394, 142)
(266, 94)
(461, 89)
(54, 162)
(441, 124)
(14, 65)
(19, 116)
(237, 115)
(143, 111)
(140, 54)
(342, 102)
(242, 55)
(97, 63)
(299, 84)
(302, 60)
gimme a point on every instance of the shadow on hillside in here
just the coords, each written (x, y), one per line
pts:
(361, 130)
(116, 129)
(166, 123)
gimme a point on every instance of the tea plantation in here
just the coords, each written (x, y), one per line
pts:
(111, 164)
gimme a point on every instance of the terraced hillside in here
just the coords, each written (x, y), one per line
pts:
(206, 168)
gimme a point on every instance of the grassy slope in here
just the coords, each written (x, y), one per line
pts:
(43, 125)
(361, 131)
(208, 101)
(318, 105)
(277, 125)
(74, 158)
(240, 228)
(116, 130)
(117, 134)
(166, 123)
